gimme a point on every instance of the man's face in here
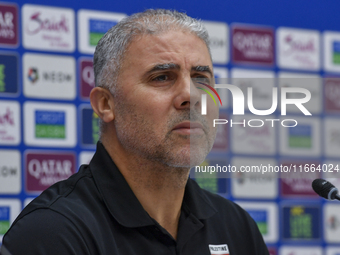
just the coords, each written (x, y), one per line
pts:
(157, 105)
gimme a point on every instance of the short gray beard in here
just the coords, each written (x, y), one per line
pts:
(148, 148)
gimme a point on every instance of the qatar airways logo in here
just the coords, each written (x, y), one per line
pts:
(253, 45)
(46, 168)
(37, 24)
(239, 102)
(252, 41)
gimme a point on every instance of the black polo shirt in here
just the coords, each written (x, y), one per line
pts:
(96, 212)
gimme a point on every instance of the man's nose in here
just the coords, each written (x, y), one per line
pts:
(188, 95)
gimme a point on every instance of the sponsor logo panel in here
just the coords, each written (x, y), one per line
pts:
(303, 139)
(313, 83)
(49, 76)
(262, 83)
(332, 137)
(9, 123)
(332, 94)
(300, 250)
(266, 217)
(253, 45)
(48, 28)
(10, 172)
(9, 210)
(90, 126)
(253, 184)
(87, 80)
(331, 44)
(215, 182)
(301, 223)
(9, 84)
(9, 35)
(298, 49)
(336, 52)
(297, 182)
(49, 124)
(300, 136)
(98, 28)
(42, 169)
(93, 25)
(332, 223)
(249, 140)
(219, 41)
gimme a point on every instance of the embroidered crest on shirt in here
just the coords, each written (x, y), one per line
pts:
(219, 249)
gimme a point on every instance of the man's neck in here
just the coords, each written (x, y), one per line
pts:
(159, 188)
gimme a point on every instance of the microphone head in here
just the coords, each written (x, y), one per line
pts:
(323, 188)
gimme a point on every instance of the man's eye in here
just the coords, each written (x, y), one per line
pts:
(161, 78)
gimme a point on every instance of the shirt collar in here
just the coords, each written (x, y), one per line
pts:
(122, 202)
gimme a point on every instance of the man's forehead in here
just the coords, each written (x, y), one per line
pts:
(168, 50)
(168, 40)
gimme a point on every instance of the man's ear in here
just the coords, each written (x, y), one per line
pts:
(102, 103)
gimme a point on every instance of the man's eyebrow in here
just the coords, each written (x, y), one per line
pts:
(172, 66)
(202, 69)
(162, 67)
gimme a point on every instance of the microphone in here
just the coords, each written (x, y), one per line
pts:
(325, 189)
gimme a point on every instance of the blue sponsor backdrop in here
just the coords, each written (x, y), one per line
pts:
(301, 218)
